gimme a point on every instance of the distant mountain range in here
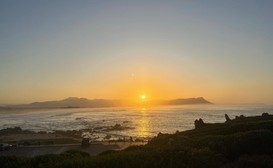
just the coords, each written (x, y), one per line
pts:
(74, 102)
(198, 100)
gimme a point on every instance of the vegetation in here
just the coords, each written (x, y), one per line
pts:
(244, 142)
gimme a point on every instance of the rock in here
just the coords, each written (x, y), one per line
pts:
(199, 123)
(227, 118)
(85, 142)
(107, 136)
(240, 117)
(265, 114)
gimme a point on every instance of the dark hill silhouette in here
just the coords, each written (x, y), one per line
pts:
(74, 102)
(83, 102)
(198, 100)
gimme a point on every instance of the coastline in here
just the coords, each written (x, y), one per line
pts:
(29, 143)
(233, 143)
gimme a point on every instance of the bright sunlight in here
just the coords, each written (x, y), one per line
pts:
(143, 97)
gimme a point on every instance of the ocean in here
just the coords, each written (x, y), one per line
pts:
(143, 123)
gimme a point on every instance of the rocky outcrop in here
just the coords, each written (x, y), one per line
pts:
(227, 118)
(199, 123)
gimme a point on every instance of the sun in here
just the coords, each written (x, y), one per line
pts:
(143, 97)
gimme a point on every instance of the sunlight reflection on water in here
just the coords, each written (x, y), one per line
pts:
(145, 122)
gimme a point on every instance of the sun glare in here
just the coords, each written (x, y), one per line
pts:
(143, 97)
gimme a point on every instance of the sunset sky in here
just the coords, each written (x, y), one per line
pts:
(220, 50)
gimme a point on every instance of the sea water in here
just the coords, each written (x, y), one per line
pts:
(142, 122)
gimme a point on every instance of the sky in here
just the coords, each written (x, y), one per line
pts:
(219, 50)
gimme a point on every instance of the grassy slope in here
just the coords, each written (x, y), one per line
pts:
(239, 143)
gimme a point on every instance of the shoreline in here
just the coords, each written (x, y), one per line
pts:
(29, 143)
(19, 137)
(208, 145)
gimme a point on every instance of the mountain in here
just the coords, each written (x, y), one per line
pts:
(198, 100)
(74, 102)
